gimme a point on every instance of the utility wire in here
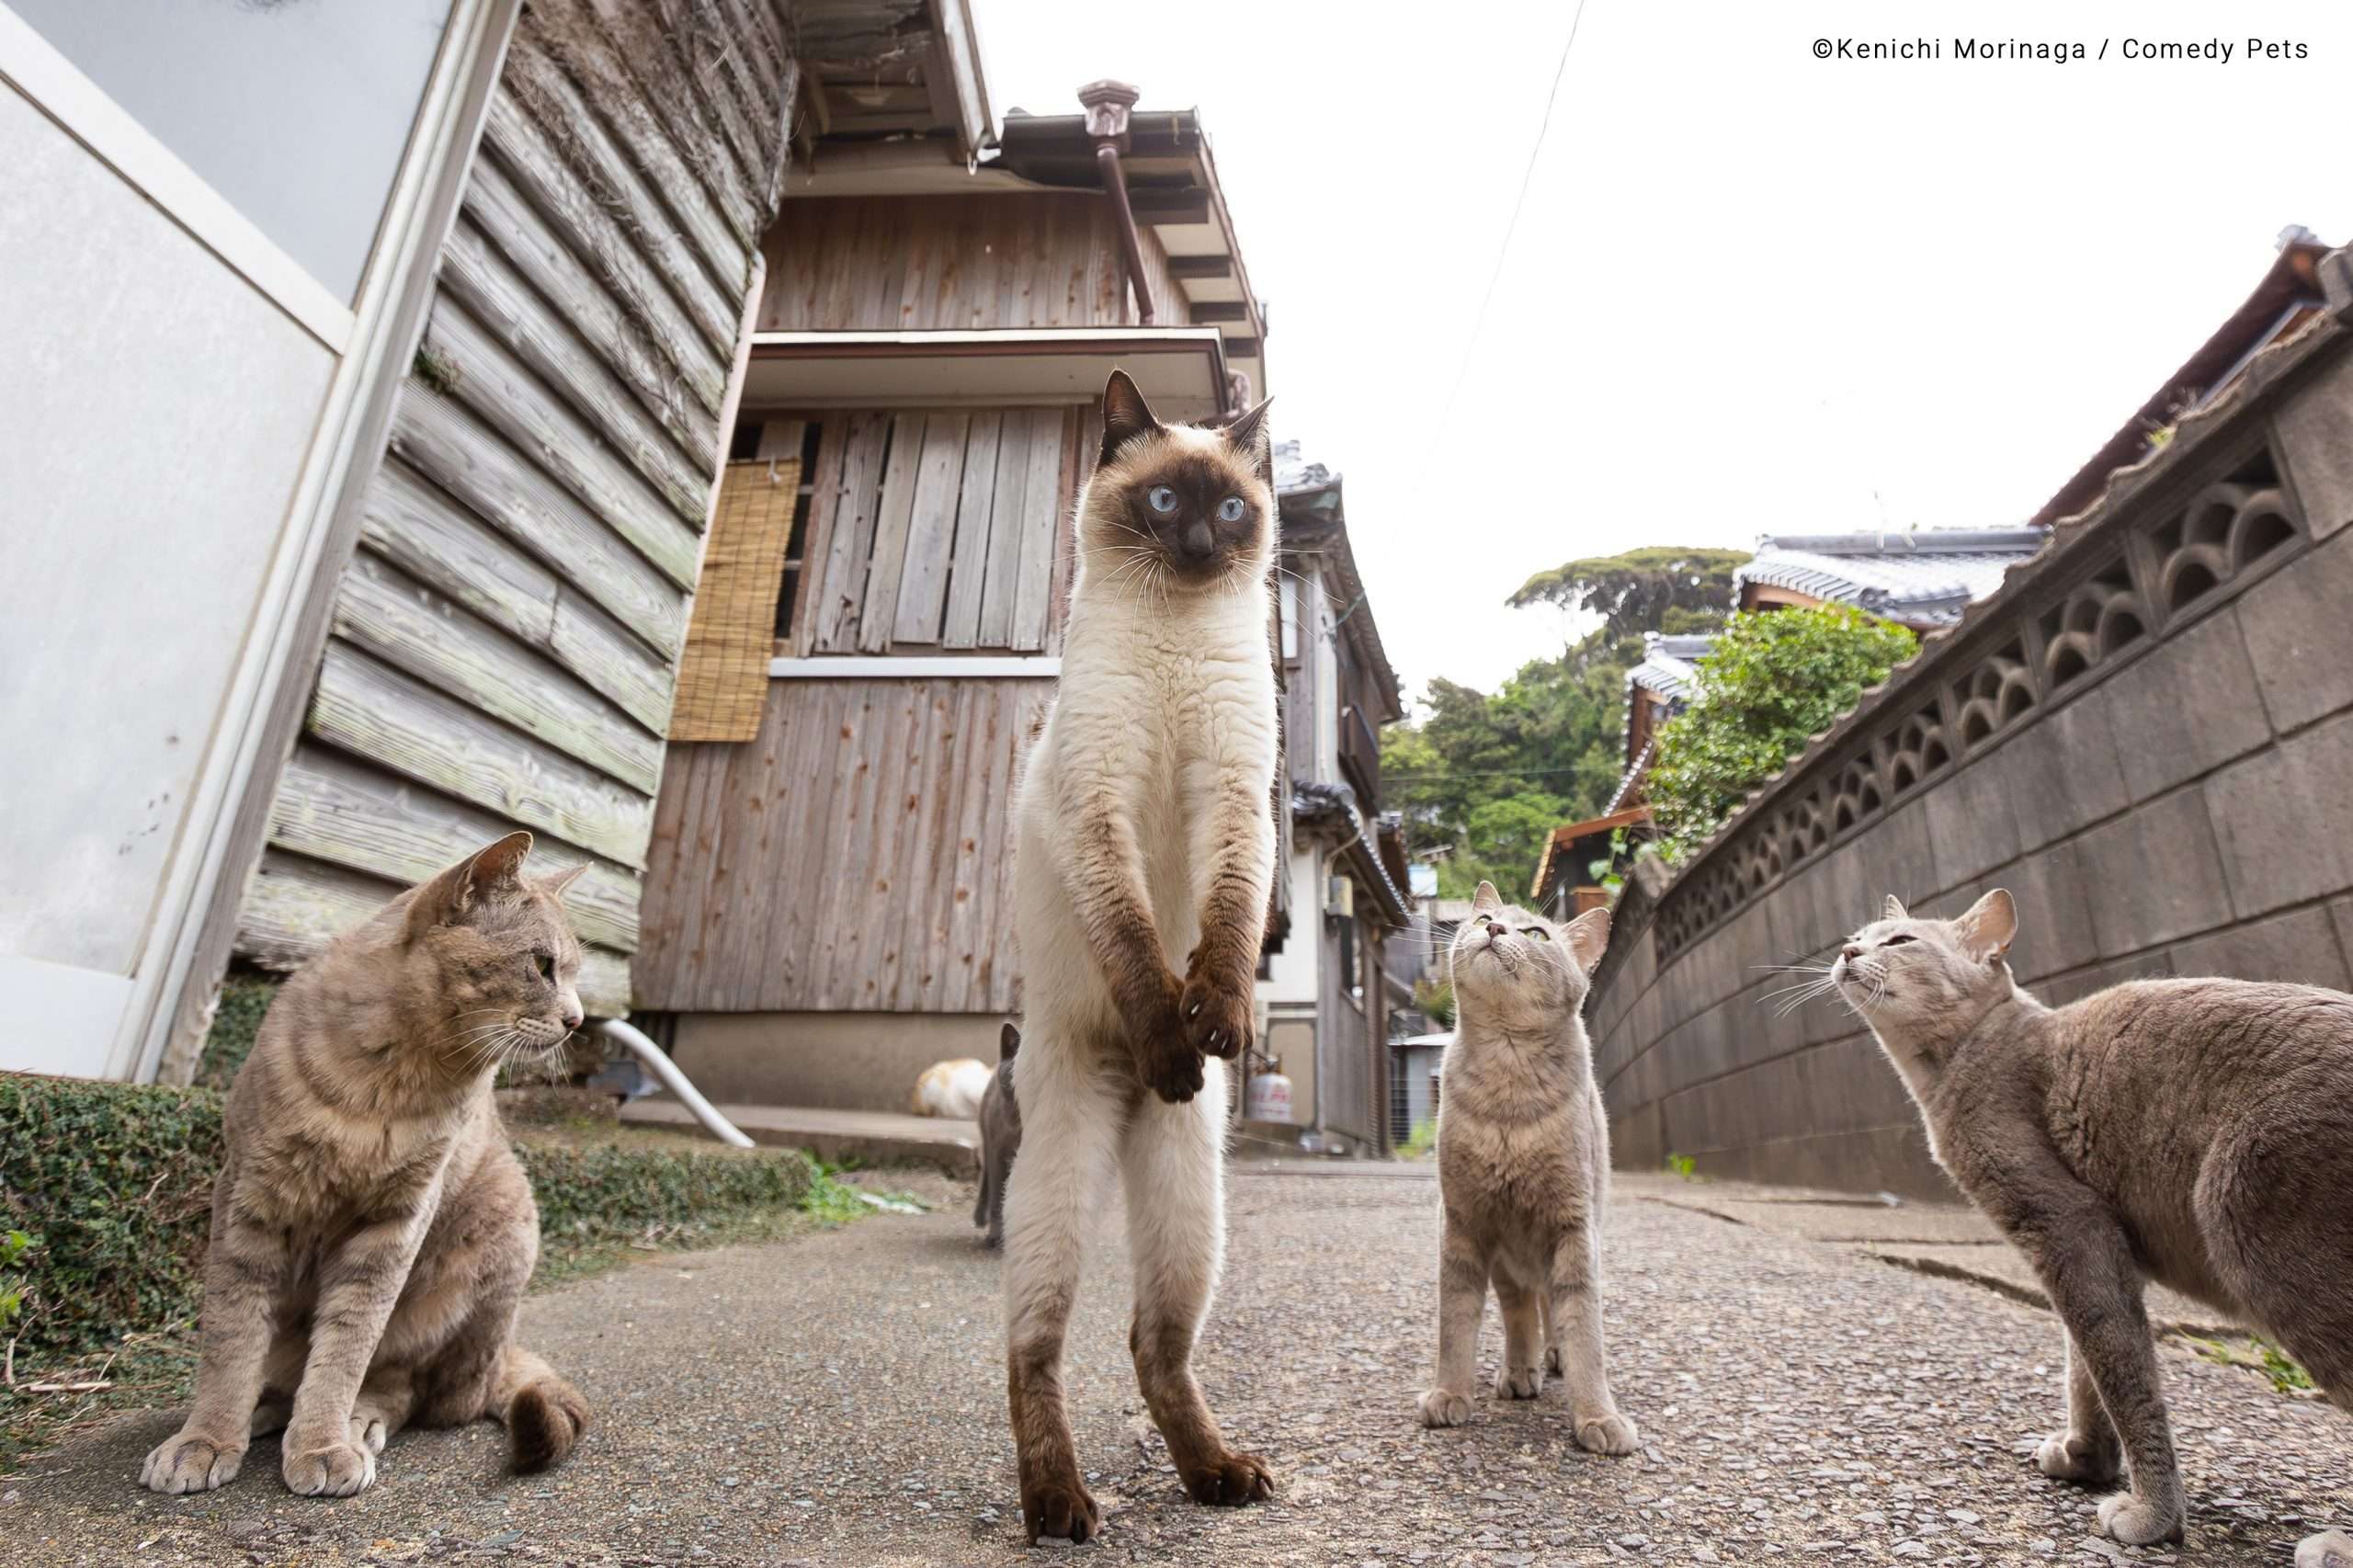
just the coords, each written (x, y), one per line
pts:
(1511, 230)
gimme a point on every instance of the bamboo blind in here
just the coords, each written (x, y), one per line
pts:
(724, 675)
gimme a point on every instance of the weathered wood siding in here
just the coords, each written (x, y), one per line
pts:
(858, 856)
(940, 531)
(910, 264)
(505, 641)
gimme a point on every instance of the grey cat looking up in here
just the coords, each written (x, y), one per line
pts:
(2196, 1132)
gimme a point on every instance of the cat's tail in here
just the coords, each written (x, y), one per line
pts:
(544, 1414)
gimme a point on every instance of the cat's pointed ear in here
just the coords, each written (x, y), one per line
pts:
(1248, 436)
(553, 886)
(1989, 925)
(1588, 934)
(1009, 1042)
(1485, 899)
(455, 891)
(1893, 911)
(1126, 415)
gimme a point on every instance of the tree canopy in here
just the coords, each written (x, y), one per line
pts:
(1633, 593)
(1773, 680)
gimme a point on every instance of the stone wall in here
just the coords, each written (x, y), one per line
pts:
(2146, 736)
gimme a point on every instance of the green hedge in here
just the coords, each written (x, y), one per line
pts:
(114, 1184)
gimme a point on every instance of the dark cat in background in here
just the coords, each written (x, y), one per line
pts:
(1000, 1138)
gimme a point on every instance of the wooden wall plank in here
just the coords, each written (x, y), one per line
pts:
(496, 209)
(1009, 505)
(341, 811)
(634, 31)
(416, 527)
(401, 621)
(504, 396)
(698, 39)
(928, 263)
(817, 540)
(534, 81)
(497, 300)
(374, 711)
(855, 856)
(294, 907)
(1033, 589)
(449, 446)
(892, 517)
(867, 447)
(931, 529)
(580, 221)
(976, 493)
(568, 32)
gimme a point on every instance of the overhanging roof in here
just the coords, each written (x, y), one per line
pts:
(1316, 522)
(874, 69)
(1568, 834)
(1923, 577)
(1181, 369)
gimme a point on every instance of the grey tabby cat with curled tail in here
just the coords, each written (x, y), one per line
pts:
(372, 1231)
(2195, 1132)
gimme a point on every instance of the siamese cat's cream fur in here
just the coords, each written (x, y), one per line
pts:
(1145, 845)
(2196, 1132)
(1523, 1170)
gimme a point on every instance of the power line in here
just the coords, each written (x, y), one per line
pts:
(1511, 230)
(1491, 773)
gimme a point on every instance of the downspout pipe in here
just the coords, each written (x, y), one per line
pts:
(1107, 103)
(657, 1060)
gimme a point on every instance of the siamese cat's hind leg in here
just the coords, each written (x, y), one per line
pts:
(1173, 1173)
(1070, 1117)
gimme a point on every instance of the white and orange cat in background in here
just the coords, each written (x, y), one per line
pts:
(952, 1090)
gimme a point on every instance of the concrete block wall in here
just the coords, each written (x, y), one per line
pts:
(2146, 736)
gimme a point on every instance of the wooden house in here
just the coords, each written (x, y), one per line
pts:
(432, 395)
(1325, 991)
(827, 894)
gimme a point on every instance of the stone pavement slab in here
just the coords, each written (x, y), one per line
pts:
(874, 1135)
(840, 1400)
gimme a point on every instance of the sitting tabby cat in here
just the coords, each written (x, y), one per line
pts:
(2196, 1132)
(371, 1230)
(1523, 1167)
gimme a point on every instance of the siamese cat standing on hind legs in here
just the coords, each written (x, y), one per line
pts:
(1145, 841)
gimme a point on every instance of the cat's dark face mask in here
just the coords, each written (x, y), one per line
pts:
(1195, 506)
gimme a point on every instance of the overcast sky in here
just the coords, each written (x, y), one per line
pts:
(1751, 290)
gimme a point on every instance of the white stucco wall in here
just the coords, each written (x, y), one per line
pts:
(152, 423)
(1291, 973)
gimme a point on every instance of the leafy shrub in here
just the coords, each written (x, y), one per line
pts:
(1774, 679)
(111, 1183)
(1420, 1143)
(236, 1021)
(1435, 1000)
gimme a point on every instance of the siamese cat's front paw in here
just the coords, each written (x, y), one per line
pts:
(332, 1470)
(1172, 1070)
(186, 1462)
(1444, 1407)
(1061, 1509)
(1608, 1433)
(2066, 1456)
(1519, 1382)
(2136, 1521)
(1219, 1018)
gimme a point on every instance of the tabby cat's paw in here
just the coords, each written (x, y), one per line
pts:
(1608, 1434)
(2066, 1457)
(2136, 1521)
(1230, 1481)
(1552, 1367)
(185, 1463)
(337, 1470)
(368, 1431)
(1519, 1383)
(2330, 1548)
(1444, 1407)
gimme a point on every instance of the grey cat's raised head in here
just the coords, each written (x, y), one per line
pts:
(486, 954)
(1177, 508)
(1514, 968)
(1921, 978)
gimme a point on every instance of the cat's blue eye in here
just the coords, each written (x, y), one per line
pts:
(1538, 932)
(1162, 498)
(1231, 508)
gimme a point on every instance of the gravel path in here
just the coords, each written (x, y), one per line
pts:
(840, 1400)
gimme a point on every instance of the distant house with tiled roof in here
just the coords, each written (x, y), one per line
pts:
(1922, 578)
